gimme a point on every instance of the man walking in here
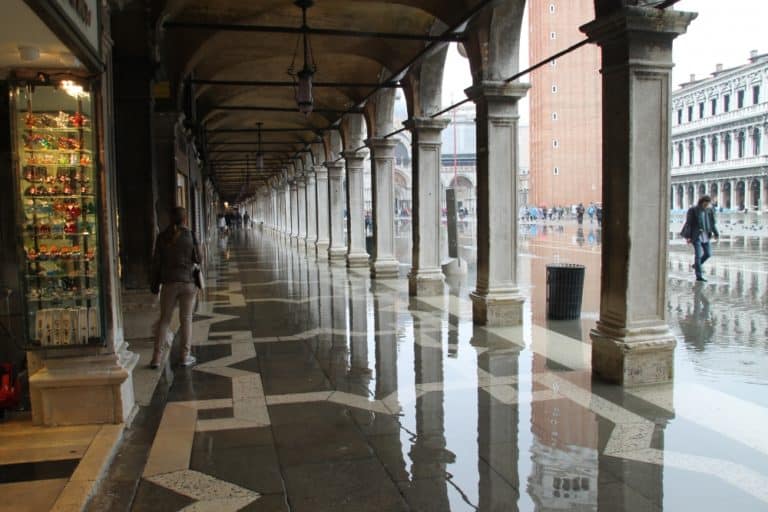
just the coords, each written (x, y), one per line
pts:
(699, 230)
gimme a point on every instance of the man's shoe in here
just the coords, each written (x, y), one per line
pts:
(701, 280)
(188, 361)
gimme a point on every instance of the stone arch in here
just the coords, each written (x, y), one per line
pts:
(493, 46)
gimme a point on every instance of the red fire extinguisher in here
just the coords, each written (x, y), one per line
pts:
(10, 390)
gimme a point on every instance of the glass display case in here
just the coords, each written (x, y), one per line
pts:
(58, 214)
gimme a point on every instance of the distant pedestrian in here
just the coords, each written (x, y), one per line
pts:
(580, 213)
(699, 229)
(591, 213)
(246, 220)
(599, 215)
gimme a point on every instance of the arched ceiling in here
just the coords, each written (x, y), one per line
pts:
(347, 67)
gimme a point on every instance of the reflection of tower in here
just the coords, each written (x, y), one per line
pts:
(565, 456)
(497, 434)
(429, 454)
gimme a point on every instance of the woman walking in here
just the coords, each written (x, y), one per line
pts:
(176, 255)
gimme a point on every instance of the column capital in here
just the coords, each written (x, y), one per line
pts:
(353, 156)
(510, 92)
(426, 124)
(335, 168)
(381, 147)
(638, 20)
(321, 171)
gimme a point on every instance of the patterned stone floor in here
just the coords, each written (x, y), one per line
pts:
(319, 390)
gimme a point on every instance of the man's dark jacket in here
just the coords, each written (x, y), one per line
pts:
(698, 221)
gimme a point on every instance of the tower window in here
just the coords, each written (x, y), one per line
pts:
(551, 8)
(556, 171)
(555, 143)
(554, 89)
(553, 35)
(554, 116)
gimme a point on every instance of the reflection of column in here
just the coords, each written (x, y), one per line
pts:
(426, 277)
(748, 203)
(497, 299)
(356, 253)
(385, 322)
(763, 202)
(383, 159)
(338, 245)
(429, 453)
(323, 226)
(358, 321)
(632, 343)
(311, 213)
(497, 429)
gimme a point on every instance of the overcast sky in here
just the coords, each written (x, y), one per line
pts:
(724, 32)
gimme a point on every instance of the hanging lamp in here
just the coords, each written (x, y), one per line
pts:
(303, 77)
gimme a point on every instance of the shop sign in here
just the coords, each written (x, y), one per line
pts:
(85, 16)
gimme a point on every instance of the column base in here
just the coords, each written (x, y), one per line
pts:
(357, 259)
(427, 284)
(633, 358)
(311, 247)
(385, 269)
(321, 249)
(84, 390)
(337, 255)
(499, 310)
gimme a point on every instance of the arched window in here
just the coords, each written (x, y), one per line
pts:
(715, 142)
(680, 155)
(702, 151)
(690, 152)
(727, 144)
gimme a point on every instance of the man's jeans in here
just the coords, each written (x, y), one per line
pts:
(702, 252)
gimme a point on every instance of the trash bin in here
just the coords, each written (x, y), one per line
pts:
(565, 287)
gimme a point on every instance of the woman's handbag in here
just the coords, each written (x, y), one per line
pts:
(197, 274)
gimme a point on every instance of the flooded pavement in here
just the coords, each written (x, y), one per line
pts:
(321, 390)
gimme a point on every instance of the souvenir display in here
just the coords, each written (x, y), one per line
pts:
(58, 205)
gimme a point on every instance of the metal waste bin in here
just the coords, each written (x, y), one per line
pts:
(565, 287)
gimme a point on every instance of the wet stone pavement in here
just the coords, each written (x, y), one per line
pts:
(320, 390)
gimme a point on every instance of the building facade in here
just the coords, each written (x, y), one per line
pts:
(565, 107)
(719, 144)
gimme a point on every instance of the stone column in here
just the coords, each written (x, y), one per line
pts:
(497, 300)
(632, 343)
(311, 213)
(426, 277)
(356, 253)
(323, 225)
(734, 191)
(302, 234)
(721, 193)
(294, 209)
(337, 250)
(763, 202)
(385, 264)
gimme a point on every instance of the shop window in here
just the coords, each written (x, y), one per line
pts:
(57, 194)
(740, 99)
